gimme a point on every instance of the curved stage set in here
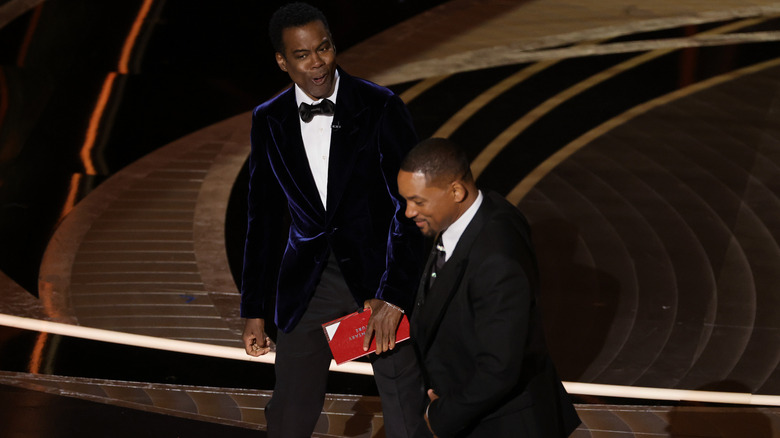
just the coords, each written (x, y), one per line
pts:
(642, 142)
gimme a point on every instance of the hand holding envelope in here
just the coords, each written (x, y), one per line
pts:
(346, 335)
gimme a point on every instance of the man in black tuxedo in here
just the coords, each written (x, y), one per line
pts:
(476, 323)
(327, 150)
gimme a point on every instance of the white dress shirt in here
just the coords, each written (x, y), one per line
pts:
(451, 236)
(316, 140)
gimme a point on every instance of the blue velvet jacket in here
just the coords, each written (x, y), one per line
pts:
(378, 249)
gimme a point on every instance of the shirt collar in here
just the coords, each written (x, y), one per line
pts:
(451, 236)
(301, 97)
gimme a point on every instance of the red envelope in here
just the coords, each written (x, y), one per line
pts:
(345, 335)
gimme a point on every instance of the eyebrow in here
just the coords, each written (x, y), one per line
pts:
(327, 41)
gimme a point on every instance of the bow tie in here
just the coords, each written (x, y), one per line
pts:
(324, 108)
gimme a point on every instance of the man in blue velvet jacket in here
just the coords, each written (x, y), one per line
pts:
(327, 150)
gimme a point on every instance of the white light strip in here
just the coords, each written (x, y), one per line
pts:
(645, 393)
(159, 343)
(364, 368)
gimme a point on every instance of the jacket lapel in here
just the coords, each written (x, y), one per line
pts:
(422, 287)
(286, 131)
(436, 301)
(349, 119)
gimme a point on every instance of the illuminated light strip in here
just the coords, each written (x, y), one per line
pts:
(498, 144)
(127, 50)
(527, 183)
(645, 393)
(489, 95)
(593, 389)
(159, 343)
(28, 36)
(513, 52)
(94, 124)
(73, 191)
(465, 113)
(108, 85)
(421, 87)
(36, 358)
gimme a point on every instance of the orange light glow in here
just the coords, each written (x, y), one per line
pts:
(36, 358)
(73, 191)
(127, 50)
(94, 124)
(28, 35)
(108, 85)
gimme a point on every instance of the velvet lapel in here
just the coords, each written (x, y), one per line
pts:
(350, 118)
(286, 132)
(448, 281)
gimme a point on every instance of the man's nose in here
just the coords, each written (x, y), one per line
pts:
(316, 59)
(410, 211)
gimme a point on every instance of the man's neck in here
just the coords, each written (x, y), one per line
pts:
(451, 235)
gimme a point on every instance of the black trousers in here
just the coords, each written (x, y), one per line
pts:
(303, 358)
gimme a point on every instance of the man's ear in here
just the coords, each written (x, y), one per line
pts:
(459, 191)
(282, 61)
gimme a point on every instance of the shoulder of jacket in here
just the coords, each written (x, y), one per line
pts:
(368, 89)
(502, 224)
(273, 104)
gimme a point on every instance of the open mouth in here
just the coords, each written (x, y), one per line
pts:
(319, 80)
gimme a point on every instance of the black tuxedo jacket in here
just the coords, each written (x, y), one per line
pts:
(480, 337)
(378, 249)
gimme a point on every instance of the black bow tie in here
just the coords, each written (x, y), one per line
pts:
(324, 108)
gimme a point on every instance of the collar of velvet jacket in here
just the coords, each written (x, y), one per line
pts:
(349, 119)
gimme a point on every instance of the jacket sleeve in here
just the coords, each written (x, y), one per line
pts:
(396, 136)
(265, 212)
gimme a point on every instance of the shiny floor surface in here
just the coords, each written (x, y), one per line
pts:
(642, 143)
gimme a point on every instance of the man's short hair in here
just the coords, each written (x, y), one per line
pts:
(292, 15)
(441, 160)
